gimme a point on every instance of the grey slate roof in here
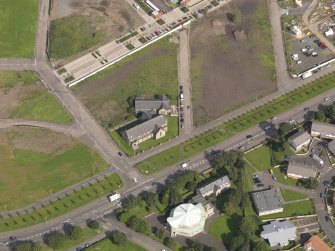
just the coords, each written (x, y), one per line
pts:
(279, 232)
(266, 200)
(221, 183)
(331, 147)
(299, 139)
(301, 170)
(323, 128)
(142, 105)
(145, 128)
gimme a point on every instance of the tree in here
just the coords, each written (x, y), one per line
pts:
(197, 246)
(171, 243)
(191, 185)
(260, 245)
(175, 197)
(118, 238)
(236, 242)
(139, 225)
(245, 202)
(135, 202)
(55, 239)
(151, 198)
(93, 224)
(232, 173)
(320, 116)
(311, 183)
(72, 232)
(284, 129)
(28, 246)
(160, 234)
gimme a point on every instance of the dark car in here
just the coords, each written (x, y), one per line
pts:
(327, 218)
(321, 195)
(260, 185)
(119, 153)
(12, 238)
(180, 87)
(182, 120)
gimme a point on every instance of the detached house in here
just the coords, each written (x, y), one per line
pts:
(152, 128)
(160, 106)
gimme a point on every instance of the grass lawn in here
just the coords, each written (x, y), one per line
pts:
(278, 156)
(33, 174)
(108, 245)
(42, 106)
(238, 124)
(18, 20)
(66, 204)
(224, 227)
(23, 96)
(72, 35)
(260, 158)
(280, 173)
(294, 209)
(109, 94)
(291, 196)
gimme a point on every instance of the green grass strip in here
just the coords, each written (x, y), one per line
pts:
(237, 125)
(125, 38)
(63, 205)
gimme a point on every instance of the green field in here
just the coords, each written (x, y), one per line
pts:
(237, 125)
(173, 129)
(260, 158)
(291, 196)
(225, 227)
(72, 35)
(29, 99)
(294, 209)
(109, 94)
(66, 204)
(108, 245)
(280, 173)
(27, 176)
(18, 28)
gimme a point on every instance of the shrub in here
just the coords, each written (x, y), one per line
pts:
(55, 239)
(118, 238)
(93, 224)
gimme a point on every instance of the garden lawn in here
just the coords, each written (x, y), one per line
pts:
(294, 209)
(291, 196)
(63, 205)
(280, 173)
(18, 21)
(72, 35)
(108, 245)
(224, 227)
(237, 125)
(28, 176)
(260, 158)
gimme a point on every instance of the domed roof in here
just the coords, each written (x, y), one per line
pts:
(185, 215)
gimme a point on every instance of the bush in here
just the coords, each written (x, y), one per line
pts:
(73, 232)
(27, 246)
(171, 243)
(139, 225)
(118, 238)
(55, 239)
(93, 224)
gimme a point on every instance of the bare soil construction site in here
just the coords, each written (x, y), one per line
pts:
(232, 59)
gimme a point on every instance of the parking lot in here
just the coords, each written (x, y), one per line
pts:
(262, 180)
(317, 147)
(310, 53)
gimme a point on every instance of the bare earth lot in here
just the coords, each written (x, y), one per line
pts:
(228, 72)
(98, 20)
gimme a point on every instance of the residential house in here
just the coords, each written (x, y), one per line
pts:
(331, 147)
(152, 128)
(279, 233)
(267, 202)
(315, 243)
(299, 140)
(160, 106)
(323, 130)
(214, 187)
(300, 171)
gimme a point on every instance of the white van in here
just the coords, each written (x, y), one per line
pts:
(136, 6)
(114, 196)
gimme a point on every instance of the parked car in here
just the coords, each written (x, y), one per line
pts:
(260, 185)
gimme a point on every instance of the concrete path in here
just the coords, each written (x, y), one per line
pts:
(185, 80)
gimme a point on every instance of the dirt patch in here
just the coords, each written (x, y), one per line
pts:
(11, 98)
(228, 72)
(114, 17)
(36, 139)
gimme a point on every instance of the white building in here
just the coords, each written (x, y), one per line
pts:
(214, 187)
(300, 171)
(329, 32)
(187, 220)
(323, 130)
(299, 140)
(279, 233)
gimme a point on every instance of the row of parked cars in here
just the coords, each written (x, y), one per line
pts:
(181, 106)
